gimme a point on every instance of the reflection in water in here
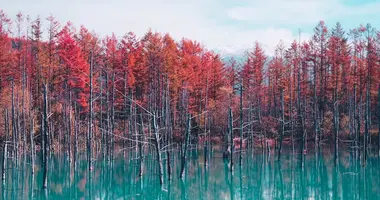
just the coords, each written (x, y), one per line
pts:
(260, 177)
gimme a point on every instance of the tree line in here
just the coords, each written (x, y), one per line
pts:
(68, 90)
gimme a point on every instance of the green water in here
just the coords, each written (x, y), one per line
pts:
(260, 177)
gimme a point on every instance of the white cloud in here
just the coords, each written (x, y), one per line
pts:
(298, 12)
(282, 12)
(239, 41)
(204, 21)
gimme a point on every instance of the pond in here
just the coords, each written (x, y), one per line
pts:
(261, 176)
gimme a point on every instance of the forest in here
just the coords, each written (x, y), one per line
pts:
(68, 90)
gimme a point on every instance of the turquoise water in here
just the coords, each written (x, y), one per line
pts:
(260, 177)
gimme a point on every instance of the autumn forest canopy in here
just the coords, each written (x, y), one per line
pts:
(70, 83)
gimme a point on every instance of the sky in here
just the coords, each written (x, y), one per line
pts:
(226, 26)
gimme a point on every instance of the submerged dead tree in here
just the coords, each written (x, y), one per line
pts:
(90, 115)
(206, 131)
(14, 125)
(5, 149)
(169, 130)
(336, 126)
(282, 120)
(366, 121)
(32, 146)
(301, 118)
(76, 131)
(185, 145)
(45, 137)
(231, 134)
(157, 144)
(241, 124)
(140, 145)
(378, 120)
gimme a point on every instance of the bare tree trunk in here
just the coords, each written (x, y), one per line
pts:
(231, 130)
(336, 122)
(140, 145)
(23, 112)
(366, 122)
(134, 125)
(250, 120)
(184, 150)
(125, 111)
(168, 129)
(65, 130)
(5, 150)
(158, 148)
(45, 136)
(315, 108)
(69, 128)
(282, 123)
(241, 124)
(291, 112)
(50, 138)
(76, 130)
(18, 131)
(113, 118)
(301, 120)
(14, 126)
(206, 142)
(356, 123)
(108, 123)
(378, 120)
(32, 149)
(42, 138)
(101, 120)
(89, 137)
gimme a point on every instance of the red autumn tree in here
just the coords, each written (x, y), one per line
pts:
(6, 51)
(253, 76)
(75, 69)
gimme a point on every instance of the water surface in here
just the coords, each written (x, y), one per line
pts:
(261, 176)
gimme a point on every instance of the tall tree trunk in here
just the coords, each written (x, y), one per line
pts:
(113, 118)
(206, 142)
(125, 111)
(18, 131)
(5, 150)
(231, 130)
(301, 119)
(356, 123)
(315, 109)
(76, 132)
(184, 150)
(158, 148)
(366, 121)
(141, 140)
(42, 138)
(168, 128)
(291, 113)
(90, 114)
(32, 148)
(241, 124)
(69, 128)
(23, 112)
(101, 120)
(108, 117)
(45, 136)
(336, 122)
(378, 120)
(282, 123)
(64, 130)
(14, 126)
